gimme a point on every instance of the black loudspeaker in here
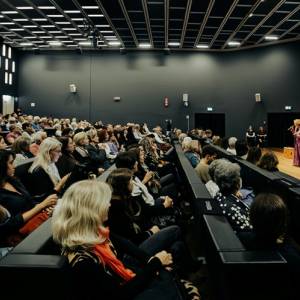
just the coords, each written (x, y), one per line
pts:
(167, 51)
(79, 51)
(123, 51)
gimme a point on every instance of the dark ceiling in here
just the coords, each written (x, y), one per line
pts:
(208, 25)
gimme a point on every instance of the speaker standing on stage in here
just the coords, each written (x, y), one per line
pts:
(296, 132)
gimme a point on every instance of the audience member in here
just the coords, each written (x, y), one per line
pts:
(269, 162)
(208, 155)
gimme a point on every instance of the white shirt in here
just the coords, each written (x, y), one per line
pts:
(140, 189)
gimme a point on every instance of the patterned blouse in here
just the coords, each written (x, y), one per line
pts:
(236, 212)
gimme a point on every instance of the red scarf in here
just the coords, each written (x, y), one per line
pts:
(108, 257)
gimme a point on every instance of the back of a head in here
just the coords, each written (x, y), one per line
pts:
(214, 165)
(126, 160)
(241, 148)
(208, 150)
(268, 215)
(269, 161)
(227, 177)
(254, 155)
(21, 144)
(119, 180)
(79, 214)
(231, 142)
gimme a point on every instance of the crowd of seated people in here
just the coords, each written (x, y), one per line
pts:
(139, 206)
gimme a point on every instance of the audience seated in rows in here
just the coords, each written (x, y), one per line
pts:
(98, 258)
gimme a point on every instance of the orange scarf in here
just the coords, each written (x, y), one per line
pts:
(108, 257)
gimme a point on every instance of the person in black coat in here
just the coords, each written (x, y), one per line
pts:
(20, 206)
(66, 161)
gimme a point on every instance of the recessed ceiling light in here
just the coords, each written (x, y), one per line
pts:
(46, 7)
(55, 16)
(72, 11)
(21, 20)
(69, 29)
(102, 25)
(38, 31)
(90, 7)
(115, 43)
(106, 31)
(7, 23)
(38, 42)
(74, 34)
(202, 46)
(45, 37)
(62, 23)
(17, 29)
(29, 37)
(39, 19)
(55, 43)
(54, 31)
(174, 44)
(30, 26)
(67, 41)
(251, 15)
(47, 26)
(145, 45)
(77, 19)
(96, 15)
(72, 45)
(24, 7)
(9, 12)
(26, 44)
(86, 43)
(271, 38)
(61, 37)
(234, 44)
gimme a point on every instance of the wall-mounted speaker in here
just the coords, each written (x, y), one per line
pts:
(73, 88)
(257, 97)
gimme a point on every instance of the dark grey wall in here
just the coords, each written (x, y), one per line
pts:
(226, 81)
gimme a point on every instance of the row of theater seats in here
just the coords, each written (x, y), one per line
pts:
(34, 269)
(234, 272)
(279, 183)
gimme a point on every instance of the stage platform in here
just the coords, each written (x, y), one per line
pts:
(286, 164)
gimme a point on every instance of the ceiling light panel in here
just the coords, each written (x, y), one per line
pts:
(241, 29)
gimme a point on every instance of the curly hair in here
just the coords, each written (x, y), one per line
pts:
(227, 177)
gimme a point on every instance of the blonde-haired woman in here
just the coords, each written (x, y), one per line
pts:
(43, 171)
(78, 226)
(81, 153)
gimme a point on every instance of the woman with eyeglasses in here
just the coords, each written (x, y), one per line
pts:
(44, 174)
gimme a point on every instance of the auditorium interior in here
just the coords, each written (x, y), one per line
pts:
(150, 149)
